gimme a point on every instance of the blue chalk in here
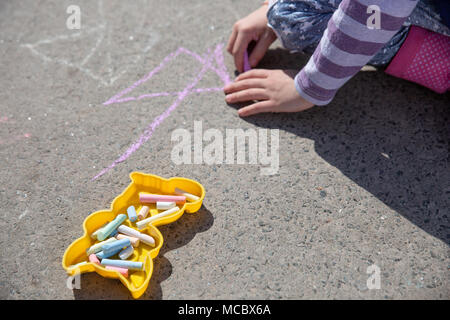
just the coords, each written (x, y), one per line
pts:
(113, 234)
(102, 255)
(132, 213)
(133, 265)
(109, 228)
(126, 253)
(116, 246)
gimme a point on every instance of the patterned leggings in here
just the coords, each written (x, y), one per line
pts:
(300, 25)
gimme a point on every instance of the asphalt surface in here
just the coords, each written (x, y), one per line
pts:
(363, 181)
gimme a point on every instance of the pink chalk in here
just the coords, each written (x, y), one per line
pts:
(122, 271)
(246, 63)
(93, 258)
(153, 198)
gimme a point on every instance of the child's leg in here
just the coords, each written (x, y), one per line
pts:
(424, 58)
(300, 25)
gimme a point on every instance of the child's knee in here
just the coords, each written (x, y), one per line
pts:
(300, 24)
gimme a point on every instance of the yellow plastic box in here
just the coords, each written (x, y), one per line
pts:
(137, 281)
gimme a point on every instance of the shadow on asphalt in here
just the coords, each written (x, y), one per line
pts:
(389, 136)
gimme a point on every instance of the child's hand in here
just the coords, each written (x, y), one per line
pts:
(253, 27)
(274, 89)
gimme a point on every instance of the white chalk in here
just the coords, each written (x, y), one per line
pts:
(163, 205)
(126, 253)
(188, 196)
(143, 223)
(134, 233)
(143, 212)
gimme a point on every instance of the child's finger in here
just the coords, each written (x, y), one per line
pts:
(258, 107)
(242, 85)
(260, 50)
(254, 73)
(231, 40)
(240, 45)
(246, 95)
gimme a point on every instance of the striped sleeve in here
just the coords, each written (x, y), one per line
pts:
(348, 44)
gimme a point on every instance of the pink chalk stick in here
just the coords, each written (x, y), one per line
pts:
(153, 198)
(122, 271)
(93, 258)
(246, 63)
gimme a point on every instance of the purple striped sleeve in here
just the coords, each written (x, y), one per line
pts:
(349, 38)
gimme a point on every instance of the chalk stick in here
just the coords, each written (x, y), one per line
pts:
(134, 233)
(98, 246)
(143, 223)
(134, 241)
(153, 198)
(93, 258)
(131, 211)
(162, 205)
(110, 227)
(126, 253)
(246, 63)
(116, 245)
(122, 271)
(94, 234)
(188, 196)
(143, 212)
(133, 265)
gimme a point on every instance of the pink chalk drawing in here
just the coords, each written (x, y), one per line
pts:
(3, 119)
(211, 60)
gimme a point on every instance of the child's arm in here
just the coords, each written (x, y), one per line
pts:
(348, 44)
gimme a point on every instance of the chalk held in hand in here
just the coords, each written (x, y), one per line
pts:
(143, 212)
(153, 198)
(163, 205)
(247, 66)
(143, 223)
(134, 233)
(126, 253)
(188, 196)
(132, 213)
(108, 229)
(132, 265)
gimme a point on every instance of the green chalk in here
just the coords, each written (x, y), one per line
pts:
(110, 227)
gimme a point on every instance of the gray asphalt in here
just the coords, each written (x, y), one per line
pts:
(363, 181)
